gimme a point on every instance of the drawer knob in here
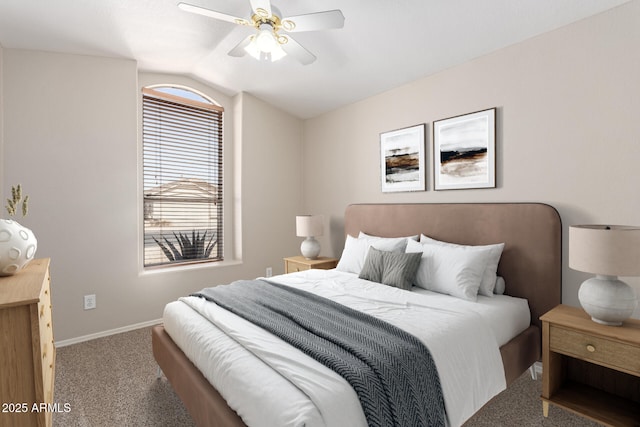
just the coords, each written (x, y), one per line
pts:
(590, 348)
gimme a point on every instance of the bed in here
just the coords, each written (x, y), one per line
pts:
(530, 264)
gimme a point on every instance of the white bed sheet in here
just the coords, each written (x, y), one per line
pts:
(258, 393)
(464, 341)
(506, 316)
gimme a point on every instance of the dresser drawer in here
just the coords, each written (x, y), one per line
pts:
(44, 314)
(613, 354)
(44, 310)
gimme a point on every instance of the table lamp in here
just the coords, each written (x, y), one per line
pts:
(607, 251)
(309, 226)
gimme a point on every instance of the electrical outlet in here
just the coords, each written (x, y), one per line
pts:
(89, 302)
(269, 272)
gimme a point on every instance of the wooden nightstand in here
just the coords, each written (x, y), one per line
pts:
(591, 369)
(300, 263)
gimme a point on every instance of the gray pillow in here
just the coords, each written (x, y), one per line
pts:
(396, 269)
(373, 265)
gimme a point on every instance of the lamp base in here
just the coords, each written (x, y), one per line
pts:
(310, 248)
(608, 300)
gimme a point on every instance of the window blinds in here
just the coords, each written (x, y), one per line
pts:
(182, 173)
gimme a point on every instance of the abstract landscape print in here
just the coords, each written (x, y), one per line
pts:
(402, 163)
(464, 151)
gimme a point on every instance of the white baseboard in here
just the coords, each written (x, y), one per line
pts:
(90, 337)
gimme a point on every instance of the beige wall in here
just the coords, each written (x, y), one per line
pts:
(568, 132)
(71, 139)
(271, 184)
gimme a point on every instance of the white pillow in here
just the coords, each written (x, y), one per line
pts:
(450, 270)
(390, 240)
(355, 251)
(489, 275)
(500, 286)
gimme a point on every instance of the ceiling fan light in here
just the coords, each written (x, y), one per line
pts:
(252, 48)
(264, 45)
(277, 53)
(265, 40)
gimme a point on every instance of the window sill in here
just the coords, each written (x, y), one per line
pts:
(182, 268)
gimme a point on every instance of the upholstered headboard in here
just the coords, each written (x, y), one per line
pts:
(531, 262)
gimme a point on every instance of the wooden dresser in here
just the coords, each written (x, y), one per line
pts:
(27, 350)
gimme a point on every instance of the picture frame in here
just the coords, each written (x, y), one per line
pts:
(402, 159)
(464, 151)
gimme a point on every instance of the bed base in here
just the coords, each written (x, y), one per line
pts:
(203, 402)
(209, 409)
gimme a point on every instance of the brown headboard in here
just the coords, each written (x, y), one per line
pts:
(531, 262)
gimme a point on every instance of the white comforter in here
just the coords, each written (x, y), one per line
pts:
(269, 383)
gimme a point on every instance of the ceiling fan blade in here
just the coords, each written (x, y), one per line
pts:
(295, 49)
(213, 14)
(262, 8)
(239, 50)
(314, 21)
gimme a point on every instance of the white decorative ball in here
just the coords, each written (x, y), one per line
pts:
(17, 247)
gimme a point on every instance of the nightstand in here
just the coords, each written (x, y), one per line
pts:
(300, 263)
(590, 369)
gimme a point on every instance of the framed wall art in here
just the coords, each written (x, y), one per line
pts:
(402, 159)
(464, 151)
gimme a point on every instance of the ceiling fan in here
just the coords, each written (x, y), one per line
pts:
(267, 43)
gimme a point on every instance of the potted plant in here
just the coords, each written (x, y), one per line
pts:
(190, 249)
(17, 243)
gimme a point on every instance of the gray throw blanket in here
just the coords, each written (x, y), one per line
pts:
(391, 371)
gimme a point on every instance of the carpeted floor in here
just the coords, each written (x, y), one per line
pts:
(112, 382)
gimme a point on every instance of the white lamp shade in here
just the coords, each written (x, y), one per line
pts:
(309, 225)
(612, 250)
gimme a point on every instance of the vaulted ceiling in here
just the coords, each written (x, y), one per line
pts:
(384, 43)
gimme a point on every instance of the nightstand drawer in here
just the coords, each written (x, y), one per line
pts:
(300, 263)
(613, 354)
(292, 267)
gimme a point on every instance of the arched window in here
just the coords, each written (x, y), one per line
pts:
(182, 172)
